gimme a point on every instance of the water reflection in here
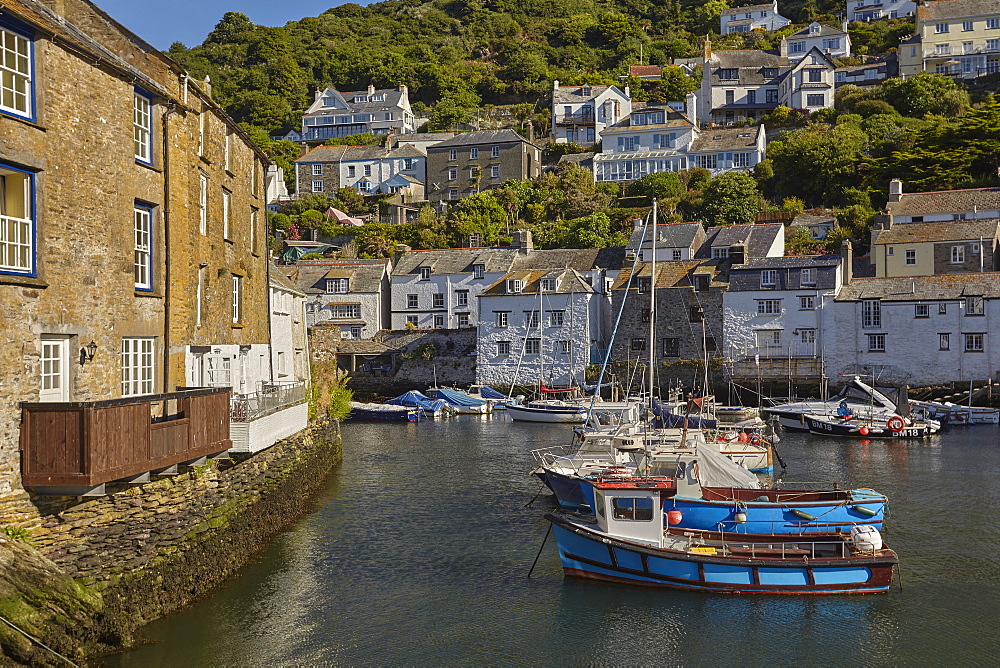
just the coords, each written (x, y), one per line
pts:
(420, 548)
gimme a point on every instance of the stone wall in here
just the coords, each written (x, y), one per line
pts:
(150, 549)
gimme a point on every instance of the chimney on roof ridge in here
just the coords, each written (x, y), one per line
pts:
(847, 262)
(555, 85)
(371, 90)
(895, 190)
(317, 95)
(637, 224)
(522, 241)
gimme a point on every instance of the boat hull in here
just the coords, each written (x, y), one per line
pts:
(566, 415)
(361, 415)
(589, 554)
(852, 429)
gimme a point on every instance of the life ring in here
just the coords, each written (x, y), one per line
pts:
(754, 439)
(895, 424)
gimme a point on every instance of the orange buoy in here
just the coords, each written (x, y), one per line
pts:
(864, 431)
(674, 516)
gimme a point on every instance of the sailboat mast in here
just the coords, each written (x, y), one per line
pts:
(652, 310)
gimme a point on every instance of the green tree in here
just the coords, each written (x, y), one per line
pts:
(925, 93)
(817, 163)
(481, 214)
(731, 199)
(661, 185)
(447, 114)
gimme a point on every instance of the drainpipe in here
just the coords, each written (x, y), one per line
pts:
(167, 274)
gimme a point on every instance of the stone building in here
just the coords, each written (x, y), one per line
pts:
(140, 276)
(376, 169)
(477, 161)
(945, 247)
(349, 295)
(939, 205)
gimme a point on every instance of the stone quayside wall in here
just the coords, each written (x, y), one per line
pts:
(149, 550)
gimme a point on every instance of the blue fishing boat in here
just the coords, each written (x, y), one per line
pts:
(625, 541)
(499, 400)
(361, 412)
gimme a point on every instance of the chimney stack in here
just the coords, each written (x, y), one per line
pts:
(522, 241)
(401, 250)
(895, 190)
(371, 90)
(317, 95)
(847, 262)
(555, 85)
(691, 108)
(738, 254)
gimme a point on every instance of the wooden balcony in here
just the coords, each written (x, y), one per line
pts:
(74, 448)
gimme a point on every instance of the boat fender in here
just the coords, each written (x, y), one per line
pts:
(895, 424)
(674, 517)
(762, 498)
(865, 511)
(742, 437)
(740, 518)
(801, 514)
(864, 431)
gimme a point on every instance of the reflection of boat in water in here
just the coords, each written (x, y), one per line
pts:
(383, 413)
(855, 427)
(626, 541)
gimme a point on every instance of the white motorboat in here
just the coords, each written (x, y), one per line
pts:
(857, 397)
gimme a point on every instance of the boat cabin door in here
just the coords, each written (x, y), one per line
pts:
(630, 513)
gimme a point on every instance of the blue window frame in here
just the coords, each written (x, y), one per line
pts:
(17, 221)
(142, 215)
(17, 69)
(142, 125)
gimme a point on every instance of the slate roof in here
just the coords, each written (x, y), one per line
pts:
(913, 288)
(824, 31)
(668, 235)
(811, 219)
(727, 139)
(568, 282)
(580, 259)
(612, 258)
(758, 238)
(946, 9)
(480, 137)
(310, 277)
(406, 151)
(674, 274)
(455, 260)
(585, 160)
(789, 262)
(944, 201)
(343, 154)
(748, 8)
(948, 230)
(574, 94)
(751, 65)
(671, 119)
(393, 100)
(279, 280)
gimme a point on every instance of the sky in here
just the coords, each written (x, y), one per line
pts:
(163, 22)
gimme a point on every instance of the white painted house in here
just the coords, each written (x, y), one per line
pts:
(335, 114)
(580, 113)
(834, 42)
(753, 17)
(350, 294)
(873, 10)
(940, 205)
(537, 326)
(374, 169)
(674, 241)
(920, 330)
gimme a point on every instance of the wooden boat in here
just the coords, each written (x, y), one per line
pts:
(625, 541)
(854, 427)
(383, 413)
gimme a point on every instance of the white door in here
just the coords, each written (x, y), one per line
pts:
(55, 368)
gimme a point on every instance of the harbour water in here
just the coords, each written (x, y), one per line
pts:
(419, 549)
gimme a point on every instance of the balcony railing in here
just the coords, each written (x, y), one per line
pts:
(270, 398)
(778, 351)
(75, 445)
(578, 118)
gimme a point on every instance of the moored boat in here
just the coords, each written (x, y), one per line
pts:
(367, 412)
(625, 541)
(550, 410)
(853, 427)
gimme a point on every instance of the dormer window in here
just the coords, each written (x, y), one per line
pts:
(329, 102)
(378, 98)
(425, 273)
(478, 271)
(720, 253)
(770, 72)
(586, 90)
(549, 284)
(515, 285)
(337, 285)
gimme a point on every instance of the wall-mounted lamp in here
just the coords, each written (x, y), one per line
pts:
(87, 353)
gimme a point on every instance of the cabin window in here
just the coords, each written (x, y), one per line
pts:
(599, 502)
(636, 509)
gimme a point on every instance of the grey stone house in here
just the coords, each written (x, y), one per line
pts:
(674, 241)
(477, 161)
(352, 295)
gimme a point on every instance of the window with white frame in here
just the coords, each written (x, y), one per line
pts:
(503, 348)
(943, 308)
(710, 161)
(565, 347)
(453, 173)
(871, 314)
(453, 193)
(439, 322)
(720, 252)
(741, 159)
(495, 152)
(876, 343)
(548, 285)
(453, 154)
(557, 318)
(495, 171)
(815, 100)
(412, 320)
(461, 298)
(940, 27)
(203, 203)
(910, 257)
(478, 271)
(54, 368)
(368, 170)
(921, 310)
(317, 186)
(17, 225)
(974, 343)
(957, 254)
(137, 366)
(142, 251)
(227, 198)
(944, 341)
(993, 24)
(463, 319)
(352, 171)
(531, 319)
(532, 346)
(16, 85)
(807, 303)
(425, 273)
(807, 276)
(345, 311)
(966, 26)
(676, 254)
(973, 306)
(226, 146)
(815, 76)
(515, 285)
(337, 285)
(142, 127)
(768, 307)
(202, 120)
(437, 300)
(768, 278)
(473, 154)
(411, 300)
(317, 169)
(237, 298)
(501, 318)
(408, 164)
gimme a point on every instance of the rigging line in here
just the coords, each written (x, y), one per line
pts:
(540, 550)
(37, 641)
(614, 330)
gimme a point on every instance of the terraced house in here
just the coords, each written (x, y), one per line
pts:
(124, 282)
(475, 161)
(956, 37)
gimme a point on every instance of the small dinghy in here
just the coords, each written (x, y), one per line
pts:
(383, 413)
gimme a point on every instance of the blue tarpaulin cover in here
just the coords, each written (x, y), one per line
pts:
(488, 392)
(458, 397)
(418, 400)
(669, 420)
